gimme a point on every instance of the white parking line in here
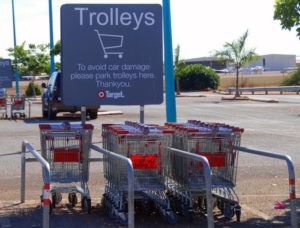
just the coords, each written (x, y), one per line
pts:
(256, 212)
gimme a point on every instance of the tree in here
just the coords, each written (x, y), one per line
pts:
(56, 50)
(178, 66)
(288, 13)
(236, 53)
(31, 59)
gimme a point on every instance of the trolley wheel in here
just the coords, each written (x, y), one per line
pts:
(111, 212)
(72, 199)
(238, 213)
(228, 211)
(53, 202)
(220, 205)
(120, 56)
(103, 201)
(171, 217)
(86, 204)
(56, 198)
(148, 206)
(123, 218)
(187, 212)
(105, 56)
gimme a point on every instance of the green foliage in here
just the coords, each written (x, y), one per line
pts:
(292, 79)
(29, 90)
(288, 13)
(56, 50)
(236, 53)
(178, 66)
(31, 59)
(198, 77)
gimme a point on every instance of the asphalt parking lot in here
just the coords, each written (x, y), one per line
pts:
(260, 181)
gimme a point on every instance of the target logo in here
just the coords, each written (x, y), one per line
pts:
(101, 94)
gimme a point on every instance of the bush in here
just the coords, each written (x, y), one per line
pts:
(198, 77)
(29, 89)
(292, 79)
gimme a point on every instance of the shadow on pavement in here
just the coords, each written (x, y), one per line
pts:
(30, 215)
(58, 120)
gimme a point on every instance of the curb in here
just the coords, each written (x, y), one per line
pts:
(244, 98)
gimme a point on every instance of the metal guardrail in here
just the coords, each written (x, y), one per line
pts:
(207, 176)
(266, 89)
(291, 171)
(130, 181)
(46, 192)
(46, 189)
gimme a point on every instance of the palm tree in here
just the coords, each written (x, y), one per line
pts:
(178, 65)
(236, 53)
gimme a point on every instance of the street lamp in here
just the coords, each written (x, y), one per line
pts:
(15, 44)
(52, 64)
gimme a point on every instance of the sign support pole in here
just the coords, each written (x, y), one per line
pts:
(169, 70)
(52, 64)
(83, 115)
(142, 113)
(15, 44)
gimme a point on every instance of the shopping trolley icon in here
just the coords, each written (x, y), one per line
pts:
(110, 44)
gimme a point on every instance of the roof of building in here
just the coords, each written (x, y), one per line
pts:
(199, 59)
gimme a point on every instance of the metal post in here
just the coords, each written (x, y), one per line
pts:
(46, 175)
(15, 44)
(207, 176)
(23, 169)
(52, 64)
(291, 171)
(130, 181)
(169, 70)
(83, 115)
(142, 113)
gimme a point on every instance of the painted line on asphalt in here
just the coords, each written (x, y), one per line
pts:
(256, 212)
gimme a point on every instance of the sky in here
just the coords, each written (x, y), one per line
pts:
(198, 26)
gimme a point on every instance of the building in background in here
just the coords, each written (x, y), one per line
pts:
(271, 62)
(275, 62)
(207, 61)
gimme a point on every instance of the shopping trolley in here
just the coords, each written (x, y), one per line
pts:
(109, 43)
(145, 145)
(67, 149)
(3, 102)
(17, 106)
(217, 142)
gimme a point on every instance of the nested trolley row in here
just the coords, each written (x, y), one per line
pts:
(16, 103)
(164, 182)
(146, 146)
(217, 142)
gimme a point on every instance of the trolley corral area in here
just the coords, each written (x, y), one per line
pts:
(185, 173)
(175, 169)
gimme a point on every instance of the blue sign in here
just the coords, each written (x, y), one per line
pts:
(6, 73)
(112, 54)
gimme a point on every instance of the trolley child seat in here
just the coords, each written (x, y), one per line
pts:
(67, 149)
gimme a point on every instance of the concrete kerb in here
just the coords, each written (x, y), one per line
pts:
(246, 98)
